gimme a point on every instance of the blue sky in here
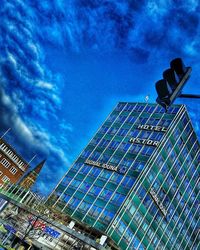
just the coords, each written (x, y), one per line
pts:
(65, 64)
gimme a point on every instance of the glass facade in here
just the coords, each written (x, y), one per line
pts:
(138, 179)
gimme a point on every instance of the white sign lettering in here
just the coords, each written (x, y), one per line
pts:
(144, 141)
(158, 202)
(152, 128)
(106, 166)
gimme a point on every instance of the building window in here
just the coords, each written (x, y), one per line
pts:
(113, 145)
(84, 206)
(95, 156)
(13, 170)
(122, 132)
(5, 179)
(118, 198)
(121, 118)
(103, 129)
(86, 153)
(5, 163)
(129, 107)
(85, 169)
(111, 118)
(95, 190)
(112, 131)
(120, 106)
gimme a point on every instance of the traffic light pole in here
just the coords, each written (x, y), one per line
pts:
(181, 85)
(189, 96)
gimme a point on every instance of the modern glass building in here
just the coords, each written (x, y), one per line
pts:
(137, 181)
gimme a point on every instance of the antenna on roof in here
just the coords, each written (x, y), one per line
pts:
(31, 160)
(5, 133)
(147, 98)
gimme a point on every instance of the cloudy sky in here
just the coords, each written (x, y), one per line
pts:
(64, 64)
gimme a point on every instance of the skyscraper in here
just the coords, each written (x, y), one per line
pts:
(137, 181)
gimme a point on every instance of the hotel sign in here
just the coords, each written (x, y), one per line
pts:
(158, 202)
(152, 128)
(148, 141)
(144, 141)
(119, 169)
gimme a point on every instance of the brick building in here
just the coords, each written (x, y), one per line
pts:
(12, 165)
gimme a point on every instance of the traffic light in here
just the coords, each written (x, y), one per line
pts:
(174, 79)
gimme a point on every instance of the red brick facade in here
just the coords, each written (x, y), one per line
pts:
(12, 165)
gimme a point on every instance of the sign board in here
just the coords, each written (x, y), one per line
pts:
(158, 202)
(144, 141)
(152, 128)
(118, 169)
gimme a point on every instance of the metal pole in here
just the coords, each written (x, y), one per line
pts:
(189, 96)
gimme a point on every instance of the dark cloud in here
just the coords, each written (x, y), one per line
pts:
(107, 25)
(29, 96)
(139, 55)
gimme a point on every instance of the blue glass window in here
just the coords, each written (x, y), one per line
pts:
(116, 178)
(113, 144)
(104, 158)
(121, 118)
(120, 106)
(103, 129)
(95, 141)
(85, 186)
(84, 206)
(135, 148)
(75, 183)
(124, 146)
(140, 166)
(128, 182)
(95, 171)
(147, 150)
(95, 156)
(147, 201)
(77, 165)
(106, 193)
(86, 153)
(134, 133)
(118, 198)
(106, 215)
(97, 211)
(105, 174)
(112, 131)
(73, 203)
(111, 118)
(95, 190)
(131, 119)
(129, 107)
(145, 134)
(66, 198)
(85, 169)
(141, 193)
(153, 209)
(122, 132)
(126, 162)
(66, 180)
(103, 143)
(114, 160)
